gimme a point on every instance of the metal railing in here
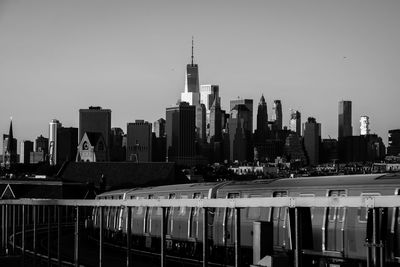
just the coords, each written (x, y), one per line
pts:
(8, 208)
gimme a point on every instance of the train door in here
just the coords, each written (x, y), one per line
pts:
(280, 224)
(147, 217)
(228, 222)
(193, 225)
(334, 224)
(170, 214)
(395, 230)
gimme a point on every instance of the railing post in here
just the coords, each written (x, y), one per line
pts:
(34, 234)
(297, 252)
(2, 228)
(6, 229)
(101, 236)
(59, 235)
(163, 228)
(23, 234)
(128, 237)
(205, 237)
(237, 237)
(13, 219)
(76, 246)
(48, 236)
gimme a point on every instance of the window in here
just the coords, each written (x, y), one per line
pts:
(363, 212)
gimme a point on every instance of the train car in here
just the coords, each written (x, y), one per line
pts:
(184, 225)
(336, 236)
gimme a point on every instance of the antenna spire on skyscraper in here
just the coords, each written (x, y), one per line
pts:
(192, 51)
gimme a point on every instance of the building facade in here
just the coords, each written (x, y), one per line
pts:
(312, 139)
(139, 141)
(96, 120)
(364, 125)
(181, 132)
(344, 120)
(393, 142)
(295, 122)
(26, 148)
(54, 125)
(277, 114)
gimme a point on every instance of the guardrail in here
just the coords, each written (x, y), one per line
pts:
(296, 203)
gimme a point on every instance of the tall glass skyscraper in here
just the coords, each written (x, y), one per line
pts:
(345, 128)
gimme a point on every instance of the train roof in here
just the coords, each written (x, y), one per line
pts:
(319, 181)
(115, 192)
(176, 188)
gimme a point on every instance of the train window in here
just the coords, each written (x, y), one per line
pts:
(230, 211)
(341, 210)
(147, 217)
(182, 210)
(363, 212)
(139, 210)
(332, 211)
(159, 209)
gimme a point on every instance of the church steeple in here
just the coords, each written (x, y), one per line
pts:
(10, 147)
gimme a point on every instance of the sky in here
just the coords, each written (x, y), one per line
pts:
(57, 57)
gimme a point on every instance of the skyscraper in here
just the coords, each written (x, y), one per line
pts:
(262, 121)
(96, 120)
(295, 122)
(364, 125)
(277, 114)
(181, 132)
(345, 128)
(215, 132)
(249, 104)
(394, 142)
(54, 125)
(26, 148)
(191, 95)
(139, 141)
(239, 135)
(312, 137)
(159, 127)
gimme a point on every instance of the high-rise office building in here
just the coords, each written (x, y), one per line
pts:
(139, 141)
(277, 114)
(345, 128)
(191, 95)
(181, 131)
(67, 143)
(159, 127)
(312, 139)
(208, 94)
(54, 125)
(42, 144)
(364, 125)
(249, 104)
(26, 148)
(239, 135)
(262, 130)
(215, 128)
(96, 120)
(295, 122)
(393, 142)
(117, 150)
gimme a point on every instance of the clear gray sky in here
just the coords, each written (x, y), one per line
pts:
(129, 56)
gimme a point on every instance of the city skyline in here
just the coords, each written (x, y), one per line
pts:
(130, 57)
